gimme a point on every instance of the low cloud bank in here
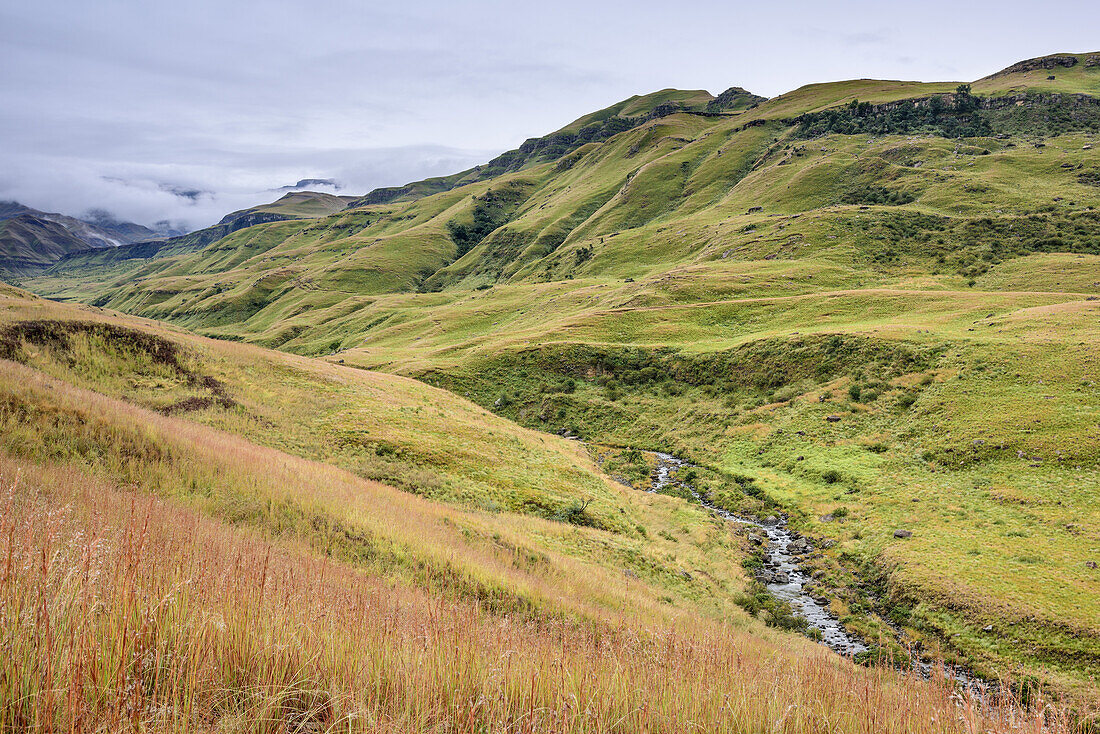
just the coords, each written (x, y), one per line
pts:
(188, 197)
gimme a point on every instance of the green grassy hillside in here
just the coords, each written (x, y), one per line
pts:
(201, 535)
(298, 204)
(873, 302)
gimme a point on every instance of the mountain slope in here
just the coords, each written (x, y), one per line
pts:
(28, 242)
(31, 239)
(873, 302)
(277, 542)
(296, 204)
(680, 188)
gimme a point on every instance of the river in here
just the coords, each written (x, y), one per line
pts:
(790, 580)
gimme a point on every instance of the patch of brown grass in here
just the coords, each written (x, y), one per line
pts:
(122, 612)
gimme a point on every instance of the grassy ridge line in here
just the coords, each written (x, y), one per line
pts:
(243, 482)
(203, 627)
(447, 333)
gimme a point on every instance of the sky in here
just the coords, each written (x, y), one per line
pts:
(185, 111)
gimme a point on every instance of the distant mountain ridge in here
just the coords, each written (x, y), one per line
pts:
(98, 229)
(594, 127)
(30, 238)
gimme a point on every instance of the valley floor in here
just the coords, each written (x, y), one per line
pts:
(202, 535)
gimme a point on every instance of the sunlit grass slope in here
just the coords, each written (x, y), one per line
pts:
(191, 545)
(966, 417)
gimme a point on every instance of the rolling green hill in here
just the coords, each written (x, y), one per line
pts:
(874, 302)
(296, 204)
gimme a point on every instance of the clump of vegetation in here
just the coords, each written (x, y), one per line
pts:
(758, 602)
(488, 214)
(971, 246)
(1090, 177)
(874, 194)
(961, 115)
(629, 464)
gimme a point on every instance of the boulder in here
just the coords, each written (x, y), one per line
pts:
(903, 534)
(798, 547)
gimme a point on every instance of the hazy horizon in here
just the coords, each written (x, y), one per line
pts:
(154, 113)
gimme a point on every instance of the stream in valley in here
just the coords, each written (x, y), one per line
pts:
(786, 579)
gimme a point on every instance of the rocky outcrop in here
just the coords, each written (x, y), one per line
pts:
(1043, 62)
(734, 98)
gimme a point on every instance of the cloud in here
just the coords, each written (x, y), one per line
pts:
(124, 104)
(193, 196)
(867, 38)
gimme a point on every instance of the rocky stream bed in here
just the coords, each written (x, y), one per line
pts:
(786, 580)
(783, 574)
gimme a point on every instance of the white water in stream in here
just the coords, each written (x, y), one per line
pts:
(832, 632)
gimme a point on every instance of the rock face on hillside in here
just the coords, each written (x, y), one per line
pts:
(1054, 61)
(249, 218)
(307, 183)
(734, 98)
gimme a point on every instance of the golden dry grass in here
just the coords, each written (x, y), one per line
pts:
(121, 612)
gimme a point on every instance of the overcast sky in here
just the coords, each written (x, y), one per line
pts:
(136, 105)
